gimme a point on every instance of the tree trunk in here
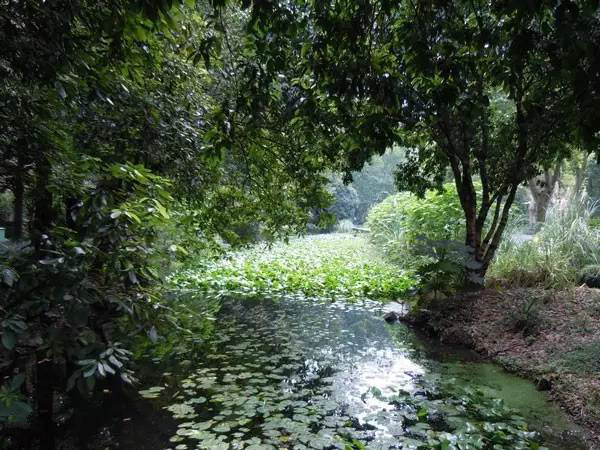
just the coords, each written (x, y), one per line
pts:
(45, 405)
(43, 210)
(540, 200)
(43, 215)
(541, 189)
(482, 243)
(580, 175)
(19, 199)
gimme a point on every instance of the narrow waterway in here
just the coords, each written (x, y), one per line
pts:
(302, 374)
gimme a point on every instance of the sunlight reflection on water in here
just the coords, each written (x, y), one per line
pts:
(309, 371)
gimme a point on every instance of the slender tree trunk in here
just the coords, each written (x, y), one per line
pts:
(41, 224)
(45, 405)
(541, 189)
(19, 200)
(43, 210)
(580, 175)
(540, 200)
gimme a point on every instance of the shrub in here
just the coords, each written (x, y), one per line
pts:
(401, 221)
(441, 266)
(557, 254)
(524, 313)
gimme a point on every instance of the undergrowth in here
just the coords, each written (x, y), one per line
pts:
(338, 266)
(556, 257)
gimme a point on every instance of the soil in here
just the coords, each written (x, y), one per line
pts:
(551, 337)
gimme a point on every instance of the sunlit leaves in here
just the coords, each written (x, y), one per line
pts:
(152, 392)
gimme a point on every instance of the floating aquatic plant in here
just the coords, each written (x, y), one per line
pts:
(331, 266)
(306, 375)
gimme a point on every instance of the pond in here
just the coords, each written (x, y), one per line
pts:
(294, 373)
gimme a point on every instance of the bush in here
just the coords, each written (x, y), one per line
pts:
(400, 223)
(557, 254)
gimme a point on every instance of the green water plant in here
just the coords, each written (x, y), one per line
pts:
(333, 266)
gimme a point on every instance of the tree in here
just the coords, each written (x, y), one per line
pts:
(579, 163)
(376, 181)
(345, 203)
(117, 118)
(593, 183)
(465, 85)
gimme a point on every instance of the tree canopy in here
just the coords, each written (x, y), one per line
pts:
(480, 88)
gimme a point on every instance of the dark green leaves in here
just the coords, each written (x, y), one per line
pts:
(10, 328)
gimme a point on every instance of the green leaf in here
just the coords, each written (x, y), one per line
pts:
(9, 339)
(9, 277)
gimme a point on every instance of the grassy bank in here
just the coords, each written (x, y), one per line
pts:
(550, 336)
(337, 266)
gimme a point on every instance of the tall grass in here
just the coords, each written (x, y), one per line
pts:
(567, 245)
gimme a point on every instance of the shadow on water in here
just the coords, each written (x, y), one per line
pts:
(302, 374)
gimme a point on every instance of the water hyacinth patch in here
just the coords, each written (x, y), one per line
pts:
(337, 266)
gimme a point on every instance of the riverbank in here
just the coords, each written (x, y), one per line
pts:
(551, 337)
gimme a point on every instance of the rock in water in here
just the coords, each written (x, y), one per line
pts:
(394, 311)
(391, 316)
(543, 384)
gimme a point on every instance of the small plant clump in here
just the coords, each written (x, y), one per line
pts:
(334, 266)
(584, 359)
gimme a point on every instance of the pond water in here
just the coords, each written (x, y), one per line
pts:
(299, 374)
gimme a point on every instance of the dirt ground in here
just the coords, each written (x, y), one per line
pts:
(552, 337)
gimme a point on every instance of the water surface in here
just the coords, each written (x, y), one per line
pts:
(299, 374)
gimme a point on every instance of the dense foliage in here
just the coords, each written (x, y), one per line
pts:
(346, 201)
(130, 127)
(402, 221)
(478, 88)
(123, 137)
(333, 266)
